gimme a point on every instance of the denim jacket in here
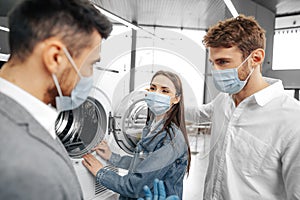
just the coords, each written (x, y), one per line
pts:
(163, 157)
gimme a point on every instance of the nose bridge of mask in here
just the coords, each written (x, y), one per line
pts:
(161, 97)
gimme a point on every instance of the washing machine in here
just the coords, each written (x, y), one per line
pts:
(95, 120)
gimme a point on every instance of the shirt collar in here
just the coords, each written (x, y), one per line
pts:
(274, 90)
(44, 114)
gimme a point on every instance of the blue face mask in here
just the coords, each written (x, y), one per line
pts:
(78, 95)
(228, 81)
(158, 103)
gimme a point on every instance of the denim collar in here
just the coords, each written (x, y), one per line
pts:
(150, 141)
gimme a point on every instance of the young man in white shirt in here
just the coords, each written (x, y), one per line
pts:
(255, 136)
(255, 132)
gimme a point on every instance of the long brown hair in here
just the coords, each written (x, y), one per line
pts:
(176, 113)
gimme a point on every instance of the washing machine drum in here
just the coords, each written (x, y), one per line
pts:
(83, 128)
(129, 120)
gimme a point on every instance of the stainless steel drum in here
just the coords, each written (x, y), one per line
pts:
(83, 128)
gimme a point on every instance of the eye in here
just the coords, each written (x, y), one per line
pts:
(165, 91)
(222, 62)
(152, 88)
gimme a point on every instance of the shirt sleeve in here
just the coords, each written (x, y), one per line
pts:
(199, 114)
(120, 161)
(130, 185)
(291, 167)
(149, 168)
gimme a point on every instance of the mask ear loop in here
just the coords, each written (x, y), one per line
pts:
(74, 66)
(244, 61)
(72, 61)
(242, 65)
(252, 70)
(57, 85)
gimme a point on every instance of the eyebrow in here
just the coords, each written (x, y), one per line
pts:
(163, 87)
(218, 59)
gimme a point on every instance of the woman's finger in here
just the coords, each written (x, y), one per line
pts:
(86, 164)
(100, 146)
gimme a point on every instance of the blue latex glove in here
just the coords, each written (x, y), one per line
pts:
(159, 192)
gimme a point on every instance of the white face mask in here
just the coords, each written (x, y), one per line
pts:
(78, 95)
(228, 81)
(157, 103)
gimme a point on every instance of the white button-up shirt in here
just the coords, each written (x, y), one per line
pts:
(255, 147)
(43, 113)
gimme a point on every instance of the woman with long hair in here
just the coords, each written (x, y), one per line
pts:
(163, 151)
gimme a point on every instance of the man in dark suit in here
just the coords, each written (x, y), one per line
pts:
(53, 44)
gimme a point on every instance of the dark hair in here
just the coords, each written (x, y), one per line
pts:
(176, 113)
(33, 21)
(243, 32)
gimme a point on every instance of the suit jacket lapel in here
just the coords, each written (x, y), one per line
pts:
(21, 116)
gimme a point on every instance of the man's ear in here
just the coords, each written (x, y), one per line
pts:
(258, 57)
(53, 56)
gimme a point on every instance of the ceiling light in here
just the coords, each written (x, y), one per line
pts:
(4, 57)
(4, 28)
(231, 8)
(117, 18)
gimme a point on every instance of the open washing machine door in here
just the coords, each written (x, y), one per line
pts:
(129, 120)
(83, 128)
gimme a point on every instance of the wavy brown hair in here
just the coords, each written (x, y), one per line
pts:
(243, 32)
(176, 113)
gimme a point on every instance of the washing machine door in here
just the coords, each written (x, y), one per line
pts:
(83, 128)
(129, 120)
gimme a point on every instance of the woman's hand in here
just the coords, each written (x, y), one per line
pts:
(103, 150)
(91, 163)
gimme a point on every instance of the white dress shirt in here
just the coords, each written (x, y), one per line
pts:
(255, 147)
(44, 114)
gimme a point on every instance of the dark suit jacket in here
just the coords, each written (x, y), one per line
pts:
(33, 166)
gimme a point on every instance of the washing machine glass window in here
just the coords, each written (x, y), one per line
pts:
(83, 128)
(130, 119)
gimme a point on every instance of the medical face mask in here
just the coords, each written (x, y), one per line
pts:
(78, 95)
(158, 103)
(228, 81)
